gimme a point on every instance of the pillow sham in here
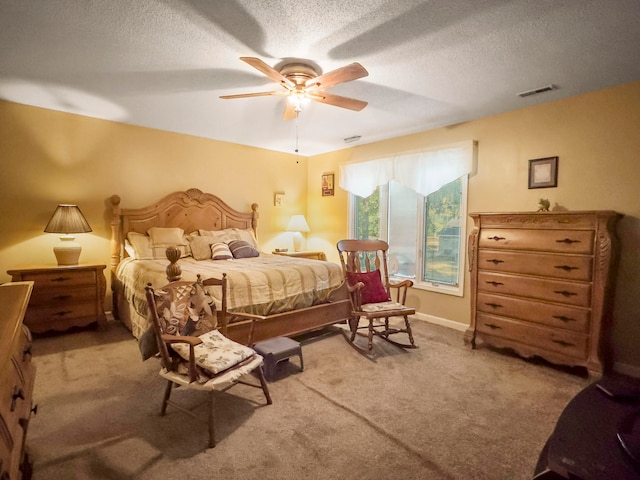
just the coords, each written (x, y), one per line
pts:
(220, 251)
(229, 234)
(217, 235)
(200, 246)
(141, 245)
(163, 237)
(242, 249)
(373, 290)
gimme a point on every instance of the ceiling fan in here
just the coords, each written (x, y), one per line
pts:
(302, 82)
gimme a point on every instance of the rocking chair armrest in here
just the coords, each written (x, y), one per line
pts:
(400, 290)
(354, 287)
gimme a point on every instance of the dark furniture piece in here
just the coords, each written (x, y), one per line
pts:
(585, 445)
(276, 350)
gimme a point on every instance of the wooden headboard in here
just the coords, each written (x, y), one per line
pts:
(190, 210)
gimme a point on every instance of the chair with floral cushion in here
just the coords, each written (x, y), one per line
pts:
(364, 263)
(194, 354)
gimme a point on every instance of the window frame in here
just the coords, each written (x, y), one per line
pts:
(418, 282)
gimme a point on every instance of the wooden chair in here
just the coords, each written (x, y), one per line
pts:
(364, 263)
(208, 362)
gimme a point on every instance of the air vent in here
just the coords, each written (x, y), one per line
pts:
(355, 138)
(536, 91)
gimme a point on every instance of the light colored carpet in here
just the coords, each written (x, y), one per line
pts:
(442, 411)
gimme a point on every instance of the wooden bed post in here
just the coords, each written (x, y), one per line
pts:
(254, 219)
(115, 232)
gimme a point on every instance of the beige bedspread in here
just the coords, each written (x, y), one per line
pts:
(262, 285)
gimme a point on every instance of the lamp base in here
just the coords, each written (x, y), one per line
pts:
(297, 241)
(67, 252)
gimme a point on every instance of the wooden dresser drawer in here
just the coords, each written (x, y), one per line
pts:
(570, 344)
(560, 241)
(549, 314)
(545, 265)
(571, 293)
(64, 297)
(46, 280)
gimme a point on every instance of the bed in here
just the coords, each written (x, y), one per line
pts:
(287, 296)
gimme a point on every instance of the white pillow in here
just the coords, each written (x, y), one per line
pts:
(217, 235)
(246, 235)
(141, 244)
(163, 237)
(200, 247)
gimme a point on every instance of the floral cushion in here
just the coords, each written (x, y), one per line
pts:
(185, 309)
(216, 353)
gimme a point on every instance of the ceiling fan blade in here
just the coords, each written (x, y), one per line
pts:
(337, 100)
(269, 72)
(339, 75)
(257, 94)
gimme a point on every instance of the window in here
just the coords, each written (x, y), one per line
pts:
(425, 234)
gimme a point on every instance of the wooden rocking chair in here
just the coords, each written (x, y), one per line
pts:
(208, 362)
(364, 263)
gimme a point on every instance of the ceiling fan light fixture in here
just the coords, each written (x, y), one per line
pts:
(298, 100)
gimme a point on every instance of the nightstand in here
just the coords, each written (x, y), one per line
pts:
(64, 297)
(312, 255)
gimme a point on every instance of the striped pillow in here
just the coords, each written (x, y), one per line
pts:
(220, 251)
(242, 249)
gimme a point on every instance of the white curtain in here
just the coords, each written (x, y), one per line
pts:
(425, 172)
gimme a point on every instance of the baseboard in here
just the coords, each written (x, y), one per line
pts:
(441, 321)
(626, 369)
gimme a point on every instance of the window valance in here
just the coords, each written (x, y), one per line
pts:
(425, 172)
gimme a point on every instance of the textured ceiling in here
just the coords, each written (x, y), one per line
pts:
(164, 63)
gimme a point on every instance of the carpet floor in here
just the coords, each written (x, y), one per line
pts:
(442, 411)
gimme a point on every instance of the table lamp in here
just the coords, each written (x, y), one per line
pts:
(298, 224)
(67, 219)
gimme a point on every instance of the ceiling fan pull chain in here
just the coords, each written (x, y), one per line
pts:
(297, 156)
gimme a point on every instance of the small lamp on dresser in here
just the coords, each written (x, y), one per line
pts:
(298, 224)
(67, 219)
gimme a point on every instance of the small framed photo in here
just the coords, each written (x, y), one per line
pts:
(543, 172)
(278, 199)
(327, 185)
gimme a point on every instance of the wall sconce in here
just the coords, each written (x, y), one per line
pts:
(67, 219)
(298, 224)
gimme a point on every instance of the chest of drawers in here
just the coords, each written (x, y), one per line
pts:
(17, 375)
(64, 297)
(541, 283)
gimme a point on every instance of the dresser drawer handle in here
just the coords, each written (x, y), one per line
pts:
(26, 352)
(563, 343)
(63, 313)
(494, 283)
(496, 238)
(566, 268)
(564, 319)
(62, 297)
(18, 393)
(60, 279)
(493, 305)
(495, 261)
(565, 293)
(567, 241)
(493, 326)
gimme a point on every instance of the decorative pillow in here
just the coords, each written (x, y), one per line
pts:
(131, 252)
(241, 249)
(373, 290)
(217, 235)
(200, 247)
(163, 237)
(220, 251)
(141, 244)
(246, 235)
(216, 353)
(184, 308)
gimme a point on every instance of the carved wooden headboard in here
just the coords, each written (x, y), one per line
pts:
(190, 210)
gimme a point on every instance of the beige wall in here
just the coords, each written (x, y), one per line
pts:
(596, 139)
(50, 157)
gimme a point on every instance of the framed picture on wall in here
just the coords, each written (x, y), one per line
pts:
(543, 172)
(327, 184)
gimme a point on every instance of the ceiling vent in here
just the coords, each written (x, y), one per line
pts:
(355, 138)
(536, 91)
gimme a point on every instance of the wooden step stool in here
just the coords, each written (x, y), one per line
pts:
(275, 350)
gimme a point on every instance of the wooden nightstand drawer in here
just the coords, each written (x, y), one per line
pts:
(64, 297)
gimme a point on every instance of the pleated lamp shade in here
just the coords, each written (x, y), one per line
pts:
(296, 225)
(67, 219)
